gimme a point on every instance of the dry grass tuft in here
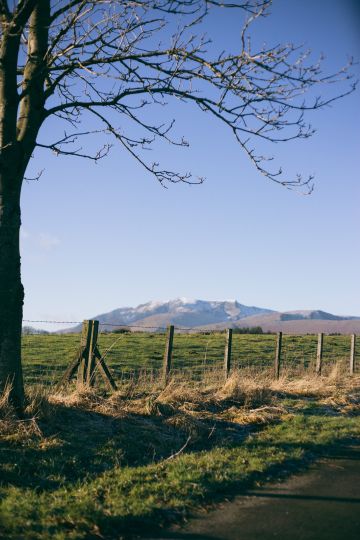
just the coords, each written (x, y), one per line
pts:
(318, 386)
(185, 408)
(10, 424)
(259, 415)
(248, 392)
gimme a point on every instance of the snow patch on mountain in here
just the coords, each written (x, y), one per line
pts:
(182, 311)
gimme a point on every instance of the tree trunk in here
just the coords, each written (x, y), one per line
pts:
(11, 291)
(21, 115)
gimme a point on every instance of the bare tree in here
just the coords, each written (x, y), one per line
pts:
(106, 61)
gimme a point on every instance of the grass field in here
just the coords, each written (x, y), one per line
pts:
(88, 465)
(85, 466)
(45, 357)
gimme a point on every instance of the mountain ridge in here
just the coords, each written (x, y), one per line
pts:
(211, 315)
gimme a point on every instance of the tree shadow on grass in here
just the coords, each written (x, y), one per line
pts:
(77, 444)
(153, 525)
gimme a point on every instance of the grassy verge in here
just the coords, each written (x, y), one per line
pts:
(84, 466)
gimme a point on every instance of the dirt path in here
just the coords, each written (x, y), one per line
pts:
(320, 504)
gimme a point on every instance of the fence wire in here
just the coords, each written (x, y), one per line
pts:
(198, 356)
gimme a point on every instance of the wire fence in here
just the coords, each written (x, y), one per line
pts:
(137, 352)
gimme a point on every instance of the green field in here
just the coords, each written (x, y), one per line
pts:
(45, 357)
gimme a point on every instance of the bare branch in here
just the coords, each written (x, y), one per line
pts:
(57, 147)
(35, 178)
(22, 14)
(4, 11)
(116, 60)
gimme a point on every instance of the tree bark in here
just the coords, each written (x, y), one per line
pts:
(11, 290)
(21, 117)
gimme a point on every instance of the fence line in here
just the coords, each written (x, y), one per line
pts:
(120, 325)
(178, 354)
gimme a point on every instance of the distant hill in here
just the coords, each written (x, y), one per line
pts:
(299, 322)
(182, 312)
(211, 315)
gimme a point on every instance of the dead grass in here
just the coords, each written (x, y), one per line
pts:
(186, 407)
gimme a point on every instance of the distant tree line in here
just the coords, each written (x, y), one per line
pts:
(248, 330)
(244, 330)
(27, 330)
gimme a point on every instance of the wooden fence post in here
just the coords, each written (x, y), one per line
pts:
(90, 375)
(352, 354)
(319, 353)
(84, 343)
(88, 359)
(168, 354)
(278, 355)
(227, 355)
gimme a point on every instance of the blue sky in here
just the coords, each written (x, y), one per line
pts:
(97, 237)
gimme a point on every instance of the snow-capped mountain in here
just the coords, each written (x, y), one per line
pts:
(193, 313)
(184, 312)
